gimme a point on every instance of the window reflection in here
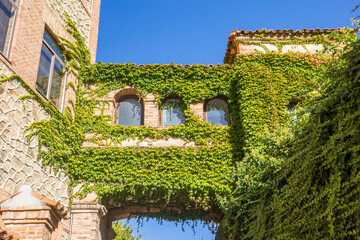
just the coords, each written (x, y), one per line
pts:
(172, 112)
(130, 112)
(7, 20)
(44, 70)
(51, 77)
(217, 112)
(57, 83)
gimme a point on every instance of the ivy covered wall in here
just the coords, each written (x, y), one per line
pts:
(301, 180)
(226, 171)
(259, 86)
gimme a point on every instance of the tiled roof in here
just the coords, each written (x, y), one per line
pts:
(44, 201)
(265, 31)
(4, 195)
(57, 206)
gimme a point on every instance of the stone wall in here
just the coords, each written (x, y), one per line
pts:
(5, 71)
(78, 12)
(18, 158)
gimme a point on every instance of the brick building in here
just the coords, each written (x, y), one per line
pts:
(29, 48)
(33, 200)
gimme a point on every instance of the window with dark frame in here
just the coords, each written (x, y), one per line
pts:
(172, 112)
(217, 111)
(8, 9)
(130, 111)
(51, 77)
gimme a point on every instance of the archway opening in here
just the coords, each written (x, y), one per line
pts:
(159, 229)
(159, 224)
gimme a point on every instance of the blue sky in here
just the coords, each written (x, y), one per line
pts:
(169, 230)
(196, 31)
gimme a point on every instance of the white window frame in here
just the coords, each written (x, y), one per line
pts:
(50, 79)
(6, 52)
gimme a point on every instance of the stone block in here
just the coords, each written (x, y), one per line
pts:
(169, 142)
(16, 163)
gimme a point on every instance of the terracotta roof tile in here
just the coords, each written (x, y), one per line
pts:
(264, 30)
(4, 195)
(57, 206)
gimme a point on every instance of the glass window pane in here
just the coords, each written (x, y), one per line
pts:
(52, 43)
(44, 70)
(130, 112)
(57, 83)
(7, 13)
(172, 113)
(217, 112)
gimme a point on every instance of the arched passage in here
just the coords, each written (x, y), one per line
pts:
(119, 213)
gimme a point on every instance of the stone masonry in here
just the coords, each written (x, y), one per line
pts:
(18, 158)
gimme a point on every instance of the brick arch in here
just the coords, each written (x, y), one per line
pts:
(127, 91)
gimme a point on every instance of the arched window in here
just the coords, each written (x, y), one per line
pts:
(130, 112)
(217, 112)
(172, 112)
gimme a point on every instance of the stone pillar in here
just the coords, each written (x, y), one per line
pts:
(86, 221)
(38, 222)
(30, 215)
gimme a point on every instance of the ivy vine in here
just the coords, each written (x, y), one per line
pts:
(259, 86)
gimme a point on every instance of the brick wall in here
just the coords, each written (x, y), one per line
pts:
(37, 223)
(86, 217)
(151, 111)
(198, 109)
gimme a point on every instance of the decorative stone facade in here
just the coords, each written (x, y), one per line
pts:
(18, 158)
(5, 71)
(79, 13)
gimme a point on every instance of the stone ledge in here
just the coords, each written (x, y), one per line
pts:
(88, 207)
(30, 215)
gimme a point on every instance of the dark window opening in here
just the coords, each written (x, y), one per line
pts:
(130, 112)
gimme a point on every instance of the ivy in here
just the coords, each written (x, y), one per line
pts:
(300, 179)
(259, 88)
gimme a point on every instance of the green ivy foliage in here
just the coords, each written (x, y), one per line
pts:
(319, 186)
(302, 181)
(259, 88)
(125, 231)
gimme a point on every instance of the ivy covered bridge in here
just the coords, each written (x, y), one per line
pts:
(126, 166)
(177, 163)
